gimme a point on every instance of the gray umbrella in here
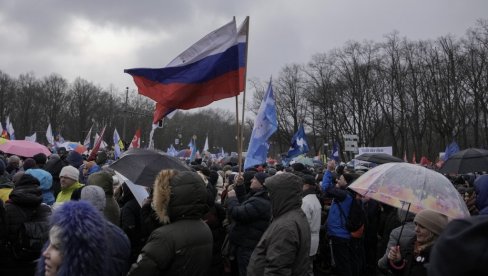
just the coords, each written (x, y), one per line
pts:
(466, 161)
(141, 166)
(378, 158)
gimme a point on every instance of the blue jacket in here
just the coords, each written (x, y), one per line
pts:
(336, 222)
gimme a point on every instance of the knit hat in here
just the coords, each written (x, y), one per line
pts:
(29, 163)
(433, 221)
(261, 177)
(103, 180)
(308, 179)
(40, 159)
(74, 159)
(298, 167)
(95, 195)
(461, 248)
(70, 172)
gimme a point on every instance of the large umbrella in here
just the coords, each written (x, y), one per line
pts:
(403, 184)
(304, 160)
(141, 166)
(378, 158)
(465, 161)
(69, 146)
(23, 148)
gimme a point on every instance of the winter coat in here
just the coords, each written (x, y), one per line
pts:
(285, 246)
(313, 210)
(183, 245)
(65, 194)
(250, 218)
(130, 222)
(105, 181)
(103, 249)
(481, 189)
(336, 220)
(6, 186)
(408, 234)
(414, 265)
(46, 182)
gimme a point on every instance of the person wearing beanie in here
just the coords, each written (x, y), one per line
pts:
(40, 159)
(313, 210)
(6, 184)
(105, 181)
(69, 182)
(75, 159)
(68, 252)
(250, 215)
(284, 247)
(13, 165)
(29, 163)
(179, 201)
(46, 181)
(428, 226)
(461, 248)
(24, 206)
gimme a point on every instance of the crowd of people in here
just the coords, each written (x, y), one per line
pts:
(64, 215)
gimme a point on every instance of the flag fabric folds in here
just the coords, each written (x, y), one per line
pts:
(335, 152)
(49, 135)
(451, 149)
(87, 142)
(10, 129)
(211, 69)
(117, 140)
(172, 151)
(96, 147)
(205, 147)
(265, 124)
(136, 140)
(193, 148)
(299, 143)
(31, 138)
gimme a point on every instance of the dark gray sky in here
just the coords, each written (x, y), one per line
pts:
(97, 40)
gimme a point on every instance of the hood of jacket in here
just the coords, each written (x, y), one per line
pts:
(481, 189)
(45, 178)
(26, 192)
(83, 239)
(103, 180)
(182, 196)
(285, 192)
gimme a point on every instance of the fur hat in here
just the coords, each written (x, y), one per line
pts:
(40, 159)
(82, 235)
(179, 194)
(463, 239)
(433, 221)
(70, 172)
(95, 195)
(261, 177)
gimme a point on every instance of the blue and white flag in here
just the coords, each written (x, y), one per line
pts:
(299, 143)
(193, 148)
(265, 124)
(172, 151)
(335, 152)
(116, 144)
(451, 149)
(10, 129)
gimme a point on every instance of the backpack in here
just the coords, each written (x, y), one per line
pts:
(356, 219)
(30, 239)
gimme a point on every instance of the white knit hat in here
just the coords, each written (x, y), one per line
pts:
(70, 172)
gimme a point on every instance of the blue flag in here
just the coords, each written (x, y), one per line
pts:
(451, 149)
(299, 143)
(193, 148)
(335, 152)
(265, 124)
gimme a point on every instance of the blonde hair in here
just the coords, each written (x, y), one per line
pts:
(162, 194)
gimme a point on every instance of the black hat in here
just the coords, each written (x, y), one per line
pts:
(308, 179)
(261, 177)
(298, 167)
(40, 159)
(461, 248)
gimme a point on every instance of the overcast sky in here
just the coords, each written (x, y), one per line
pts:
(97, 40)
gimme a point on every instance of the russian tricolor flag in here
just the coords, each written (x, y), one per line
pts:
(212, 69)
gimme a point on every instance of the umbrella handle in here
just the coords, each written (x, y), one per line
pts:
(403, 225)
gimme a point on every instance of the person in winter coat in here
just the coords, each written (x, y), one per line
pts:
(284, 247)
(428, 226)
(46, 181)
(24, 205)
(105, 181)
(183, 245)
(54, 166)
(130, 220)
(69, 182)
(250, 218)
(481, 190)
(81, 243)
(313, 210)
(408, 233)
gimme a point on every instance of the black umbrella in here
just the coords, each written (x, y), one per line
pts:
(466, 161)
(141, 166)
(378, 158)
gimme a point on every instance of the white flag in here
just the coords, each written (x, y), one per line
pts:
(151, 138)
(31, 138)
(10, 129)
(205, 147)
(102, 144)
(49, 135)
(87, 143)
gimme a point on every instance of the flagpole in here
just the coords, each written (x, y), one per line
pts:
(241, 133)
